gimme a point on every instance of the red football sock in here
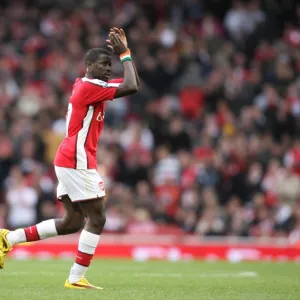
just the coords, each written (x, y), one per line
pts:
(41, 231)
(31, 234)
(87, 245)
(83, 259)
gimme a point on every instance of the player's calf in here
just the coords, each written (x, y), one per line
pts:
(70, 223)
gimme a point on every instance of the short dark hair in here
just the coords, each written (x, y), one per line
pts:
(93, 54)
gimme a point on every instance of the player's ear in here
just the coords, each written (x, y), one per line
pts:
(89, 64)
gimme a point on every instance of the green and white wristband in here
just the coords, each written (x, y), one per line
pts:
(125, 56)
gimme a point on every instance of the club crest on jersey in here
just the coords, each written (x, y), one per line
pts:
(100, 116)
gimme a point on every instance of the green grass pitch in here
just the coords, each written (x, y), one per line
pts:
(157, 280)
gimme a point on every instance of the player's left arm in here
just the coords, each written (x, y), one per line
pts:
(136, 75)
(123, 38)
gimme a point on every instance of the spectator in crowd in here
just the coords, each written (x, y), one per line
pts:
(20, 197)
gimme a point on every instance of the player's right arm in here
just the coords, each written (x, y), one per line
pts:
(129, 85)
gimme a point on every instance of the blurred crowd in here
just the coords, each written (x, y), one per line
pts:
(209, 145)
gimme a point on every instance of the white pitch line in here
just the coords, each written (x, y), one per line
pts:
(25, 273)
(201, 275)
(149, 274)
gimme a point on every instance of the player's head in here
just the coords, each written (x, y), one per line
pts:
(98, 63)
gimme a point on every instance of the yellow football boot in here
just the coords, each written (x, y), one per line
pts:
(82, 284)
(5, 247)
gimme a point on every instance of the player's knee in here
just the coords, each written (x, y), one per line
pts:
(98, 220)
(76, 226)
(73, 223)
(102, 220)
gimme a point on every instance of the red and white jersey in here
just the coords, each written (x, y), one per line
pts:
(84, 120)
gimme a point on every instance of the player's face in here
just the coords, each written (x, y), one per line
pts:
(101, 68)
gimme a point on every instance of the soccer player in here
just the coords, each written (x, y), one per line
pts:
(80, 188)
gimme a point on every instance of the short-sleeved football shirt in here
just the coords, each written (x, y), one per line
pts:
(84, 123)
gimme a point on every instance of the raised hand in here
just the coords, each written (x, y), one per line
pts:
(122, 35)
(116, 44)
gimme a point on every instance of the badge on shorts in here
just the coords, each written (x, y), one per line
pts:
(101, 185)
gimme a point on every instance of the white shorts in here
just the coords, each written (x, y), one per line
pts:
(79, 185)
